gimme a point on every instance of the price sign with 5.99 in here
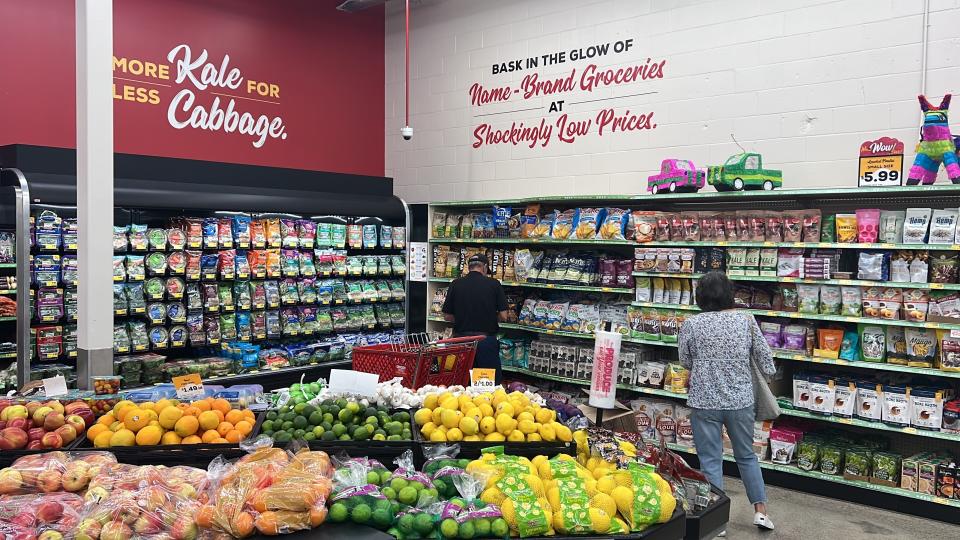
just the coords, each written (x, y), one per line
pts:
(881, 163)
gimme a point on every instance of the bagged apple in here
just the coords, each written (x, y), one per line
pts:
(53, 471)
(186, 481)
(354, 499)
(145, 513)
(48, 515)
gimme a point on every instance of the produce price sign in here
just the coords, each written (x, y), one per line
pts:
(188, 386)
(483, 378)
(603, 383)
(881, 163)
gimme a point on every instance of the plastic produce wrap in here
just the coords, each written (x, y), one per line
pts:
(443, 467)
(53, 471)
(354, 499)
(140, 513)
(468, 516)
(29, 516)
(187, 482)
(512, 483)
(413, 488)
(579, 506)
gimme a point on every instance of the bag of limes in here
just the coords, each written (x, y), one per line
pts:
(469, 517)
(377, 472)
(354, 499)
(578, 507)
(408, 486)
(442, 466)
(414, 523)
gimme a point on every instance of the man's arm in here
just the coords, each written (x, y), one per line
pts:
(503, 310)
(448, 305)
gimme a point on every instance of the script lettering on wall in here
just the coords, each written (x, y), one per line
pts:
(568, 102)
(201, 92)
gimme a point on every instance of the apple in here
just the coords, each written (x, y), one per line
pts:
(49, 481)
(12, 438)
(14, 411)
(187, 491)
(34, 445)
(32, 407)
(89, 529)
(4, 403)
(10, 481)
(50, 534)
(67, 433)
(52, 440)
(78, 423)
(19, 423)
(77, 476)
(53, 420)
(41, 413)
(3, 424)
(49, 511)
(116, 530)
(148, 524)
(184, 528)
(96, 494)
(55, 405)
(35, 433)
(24, 519)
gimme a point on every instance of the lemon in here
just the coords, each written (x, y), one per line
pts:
(450, 418)
(430, 401)
(526, 427)
(516, 436)
(553, 497)
(465, 403)
(606, 484)
(422, 416)
(454, 435)
(622, 478)
(450, 403)
(435, 415)
(623, 496)
(604, 502)
(438, 436)
(599, 520)
(564, 433)
(591, 487)
(525, 416)
(534, 437)
(427, 429)
(545, 416)
(505, 423)
(472, 438)
(508, 513)
(123, 437)
(469, 426)
(473, 412)
(488, 425)
(492, 496)
(494, 437)
(482, 398)
(548, 433)
(486, 409)
(505, 407)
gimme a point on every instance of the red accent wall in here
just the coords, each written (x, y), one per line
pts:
(328, 67)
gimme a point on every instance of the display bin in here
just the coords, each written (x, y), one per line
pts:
(473, 449)
(383, 451)
(708, 522)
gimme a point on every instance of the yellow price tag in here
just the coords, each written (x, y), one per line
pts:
(483, 378)
(188, 386)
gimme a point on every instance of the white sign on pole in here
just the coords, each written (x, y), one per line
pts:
(419, 261)
(606, 357)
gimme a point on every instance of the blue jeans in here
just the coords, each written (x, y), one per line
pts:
(488, 355)
(708, 438)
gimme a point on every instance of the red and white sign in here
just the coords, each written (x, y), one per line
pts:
(606, 358)
(881, 163)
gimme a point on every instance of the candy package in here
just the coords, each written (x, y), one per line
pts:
(915, 225)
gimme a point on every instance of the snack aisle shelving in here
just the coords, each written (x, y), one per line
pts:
(829, 201)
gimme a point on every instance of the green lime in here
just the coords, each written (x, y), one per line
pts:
(448, 528)
(308, 410)
(406, 523)
(425, 498)
(272, 415)
(379, 437)
(407, 495)
(309, 436)
(389, 493)
(424, 524)
(328, 436)
(267, 425)
(373, 478)
(300, 422)
(315, 418)
(370, 411)
(282, 437)
(385, 476)
(345, 437)
(329, 417)
(353, 407)
(395, 532)
(361, 514)
(397, 484)
(318, 431)
(483, 527)
(338, 512)
(499, 528)
(382, 518)
(372, 421)
(467, 530)
(394, 438)
(416, 485)
(286, 425)
(339, 429)
(298, 408)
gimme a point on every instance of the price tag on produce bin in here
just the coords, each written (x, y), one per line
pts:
(483, 378)
(881, 163)
(603, 383)
(188, 386)
(55, 386)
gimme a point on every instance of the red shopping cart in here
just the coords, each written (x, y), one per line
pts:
(419, 360)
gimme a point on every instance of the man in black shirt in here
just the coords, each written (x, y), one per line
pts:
(474, 304)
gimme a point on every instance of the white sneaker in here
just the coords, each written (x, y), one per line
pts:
(722, 534)
(762, 521)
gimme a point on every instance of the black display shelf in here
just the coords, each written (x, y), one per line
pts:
(270, 379)
(710, 521)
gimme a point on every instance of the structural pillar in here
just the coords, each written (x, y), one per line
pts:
(94, 188)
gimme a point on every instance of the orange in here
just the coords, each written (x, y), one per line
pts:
(107, 419)
(162, 404)
(219, 414)
(191, 439)
(136, 419)
(220, 440)
(204, 517)
(95, 430)
(201, 405)
(248, 414)
(103, 439)
(266, 523)
(318, 514)
(169, 417)
(123, 437)
(192, 411)
(244, 427)
(208, 420)
(223, 428)
(147, 405)
(233, 436)
(170, 437)
(221, 405)
(233, 416)
(242, 525)
(186, 426)
(210, 436)
(149, 436)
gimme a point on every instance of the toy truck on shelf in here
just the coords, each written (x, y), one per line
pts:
(676, 175)
(743, 171)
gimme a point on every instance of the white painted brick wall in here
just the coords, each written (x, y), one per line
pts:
(803, 82)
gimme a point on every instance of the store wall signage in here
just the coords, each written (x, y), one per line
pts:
(606, 359)
(203, 94)
(881, 163)
(559, 96)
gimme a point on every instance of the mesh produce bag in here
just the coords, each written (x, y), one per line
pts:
(512, 484)
(578, 507)
(141, 513)
(642, 496)
(188, 482)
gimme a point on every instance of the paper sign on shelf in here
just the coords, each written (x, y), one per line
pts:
(418, 261)
(188, 386)
(606, 357)
(55, 386)
(483, 378)
(347, 381)
(881, 163)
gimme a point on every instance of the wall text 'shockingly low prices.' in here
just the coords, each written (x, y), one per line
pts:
(566, 127)
(204, 94)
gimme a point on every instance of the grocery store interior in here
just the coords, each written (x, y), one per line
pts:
(461, 269)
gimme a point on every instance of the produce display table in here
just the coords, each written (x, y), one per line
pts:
(708, 522)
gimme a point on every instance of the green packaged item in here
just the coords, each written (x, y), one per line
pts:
(228, 326)
(135, 268)
(324, 238)
(828, 228)
(139, 339)
(831, 459)
(324, 323)
(241, 296)
(857, 463)
(154, 288)
(886, 468)
(119, 299)
(225, 293)
(157, 239)
(369, 265)
(338, 235)
(156, 264)
(354, 265)
(136, 302)
(808, 455)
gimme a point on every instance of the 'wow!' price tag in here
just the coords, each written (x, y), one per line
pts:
(188, 386)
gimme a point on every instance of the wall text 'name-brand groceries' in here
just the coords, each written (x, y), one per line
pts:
(203, 75)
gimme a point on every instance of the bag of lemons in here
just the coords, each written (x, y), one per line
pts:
(578, 507)
(642, 496)
(511, 483)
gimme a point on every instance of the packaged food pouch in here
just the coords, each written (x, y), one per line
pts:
(915, 225)
(614, 224)
(828, 228)
(846, 228)
(895, 345)
(919, 267)
(773, 227)
(399, 237)
(809, 298)
(943, 267)
(663, 232)
(921, 347)
(690, 223)
(849, 348)
(645, 226)
(943, 226)
(915, 305)
(868, 225)
(891, 226)
(793, 226)
(873, 266)
(830, 339)
(133, 237)
(851, 301)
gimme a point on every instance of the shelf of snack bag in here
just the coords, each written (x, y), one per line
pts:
(528, 284)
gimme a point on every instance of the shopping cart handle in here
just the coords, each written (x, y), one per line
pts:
(464, 339)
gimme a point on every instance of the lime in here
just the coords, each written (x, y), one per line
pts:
(388, 492)
(424, 498)
(432, 492)
(371, 411)
(338, 512)
(372, 421)
(298, 408)
(339, 429)
(314, 388)
(379, 437)
(394, 428)
(467, 530)
(483, 527)
(340, 403)
(286, 425)
(267, 425)
(328, 418)
(328, 436)
(382, 518)
(385, 476)
(406, 523)
(462, 463)
(448, 528)
(272, 415)
(362, 433)
(360, 514)
(282, 437)
(397, 484)
(308, 410)
(316, 418)
(353, 407)
(309, 436)
(373, 478)
(345, 437)
(499, 528)
(424, 524)
(407, 495)
(394, 438)
(318, 431)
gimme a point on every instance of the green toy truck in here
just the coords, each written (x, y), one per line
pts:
(743, 171)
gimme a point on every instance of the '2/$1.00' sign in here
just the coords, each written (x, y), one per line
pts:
(208, 95)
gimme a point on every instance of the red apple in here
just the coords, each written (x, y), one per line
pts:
(24, 519)
(3, 424)
(36, 433)
(12, 438)
(49, 481)
(184, 528)
(52, 440)
(89, 529)
(77, 476)
(89, 417)
(147, 524)
(10, 481)
(116, 530)
(49, 511)
(19, 423)
(50, 534)
(41, 413)
(34, 445)
(55, 405)
(33, 406)
(77, 422)
(53, 421)
(67, 433)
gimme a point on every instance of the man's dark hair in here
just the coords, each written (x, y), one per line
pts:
(715, 292)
